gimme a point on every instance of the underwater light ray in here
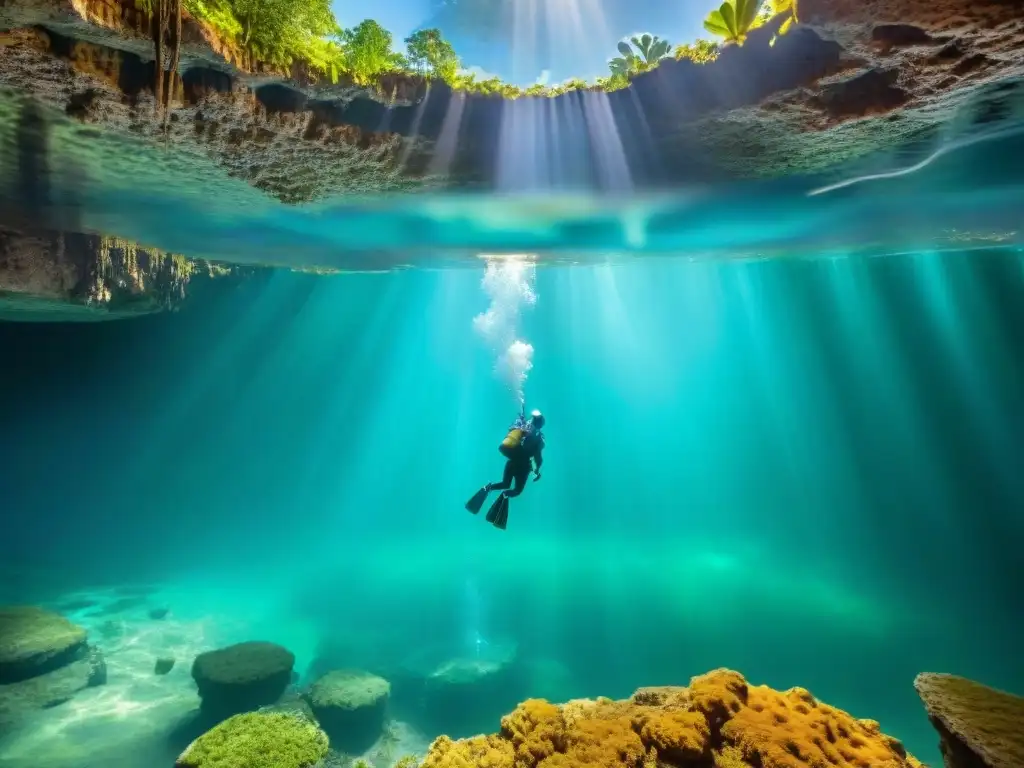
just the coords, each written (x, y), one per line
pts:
(863, 315)
(750, 301)
(447, 141)
(360, 355)
(242, 320)
(414, 131)
(607, 149)
(993, 433)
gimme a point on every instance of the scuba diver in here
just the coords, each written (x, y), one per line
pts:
(522, 447)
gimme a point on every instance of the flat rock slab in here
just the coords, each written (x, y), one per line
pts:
(980, 727)
(34, 641)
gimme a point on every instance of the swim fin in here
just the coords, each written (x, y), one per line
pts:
(492, 513)
(501, 517)
(475, 503)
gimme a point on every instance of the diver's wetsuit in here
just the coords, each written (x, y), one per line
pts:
(518, 468)
(514, 478)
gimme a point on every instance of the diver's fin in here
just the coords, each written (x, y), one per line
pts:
(492, 513)
(474, 504)
(501, 518)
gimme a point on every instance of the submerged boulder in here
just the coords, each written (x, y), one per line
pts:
(461, 695)
(979, 727)
(49, 689)
(718, 720)
(257, 740)
(44, 661)
(350, 706)
(34, 641)
(242, 677)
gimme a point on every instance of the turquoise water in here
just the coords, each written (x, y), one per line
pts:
(806, 469)
(801, 470)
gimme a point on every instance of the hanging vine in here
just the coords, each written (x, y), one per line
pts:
(165, 23)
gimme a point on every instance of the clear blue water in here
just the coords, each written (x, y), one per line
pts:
(770, 448)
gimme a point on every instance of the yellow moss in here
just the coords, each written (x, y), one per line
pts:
(601, 744)
(478, 752)
(718, 695)
(680, 736)
(787, 730)
(730, 757)
(536, 730)
(751, 726)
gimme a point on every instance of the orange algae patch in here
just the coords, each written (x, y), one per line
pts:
(679, 737)
(718, 721)
(478, 752)
(793, 730)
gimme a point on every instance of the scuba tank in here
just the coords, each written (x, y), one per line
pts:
(513, 442)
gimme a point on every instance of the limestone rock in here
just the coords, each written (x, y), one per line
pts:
(979, 727)
(34, 641)
(350, 706)
(242, 677)
(49, 689)
(68, 276)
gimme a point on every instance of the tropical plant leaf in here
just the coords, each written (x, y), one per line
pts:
(746, 14)
(645, 45)
(659, 50)
(728, 14)
(624, 49)
(716, 25)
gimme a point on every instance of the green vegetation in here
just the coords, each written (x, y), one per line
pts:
(699, 52)
(282, 32)
(733, 20)
(430, 54)
(650, 49)
(257, 740)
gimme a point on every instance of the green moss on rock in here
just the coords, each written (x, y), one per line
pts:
(34, 641)
(257, 740)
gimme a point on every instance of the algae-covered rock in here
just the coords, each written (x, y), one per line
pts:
(257, 740)
(350, 706)
(242, 677)
(979, 727)
(34, 641)
(717, 720)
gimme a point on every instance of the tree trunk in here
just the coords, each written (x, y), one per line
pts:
(165, 80)
(156, 20)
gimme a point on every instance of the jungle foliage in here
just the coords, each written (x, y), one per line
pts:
(733, 20)
(282, 32)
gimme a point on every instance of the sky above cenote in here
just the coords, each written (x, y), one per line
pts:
(535, 40)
